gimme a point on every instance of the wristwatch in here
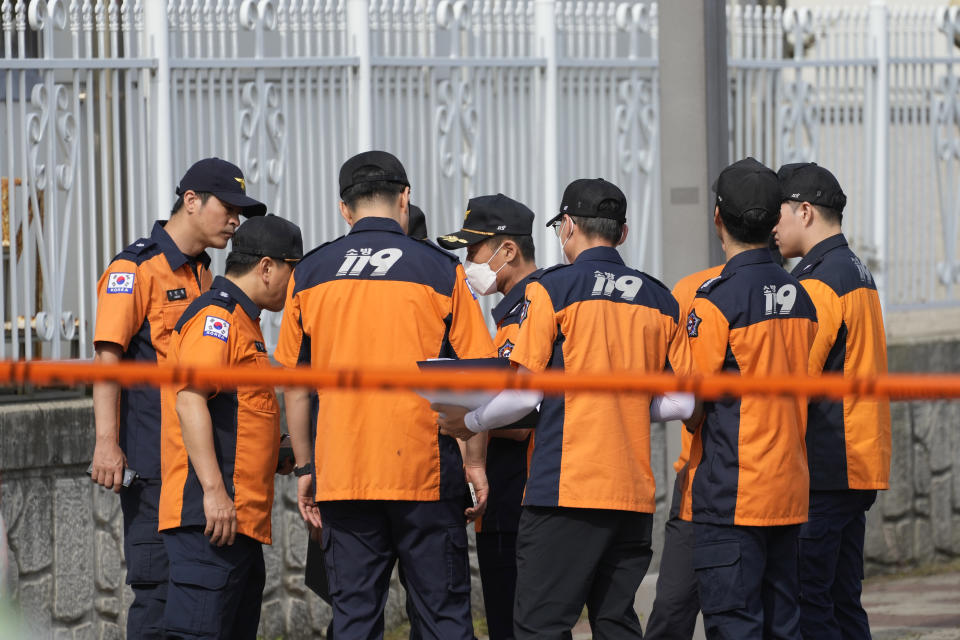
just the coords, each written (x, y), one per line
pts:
(305, 470)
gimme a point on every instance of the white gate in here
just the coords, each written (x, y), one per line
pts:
(872, 94)
(104, 104)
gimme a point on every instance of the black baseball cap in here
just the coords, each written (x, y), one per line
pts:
(808, 182)
(748, 185)
(224, 180)
(489, 216)
(269, 236)
(417, 223)
(592, 198)
(375, 166)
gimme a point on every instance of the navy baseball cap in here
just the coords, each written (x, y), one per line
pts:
(489, 216)
(268, 236)
(592, 198)
(417, 224)
(748, 185)
(372, 166)
(808, 182)
(224, 180)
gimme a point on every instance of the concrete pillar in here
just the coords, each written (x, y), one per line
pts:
(693, 129)
(693, 126)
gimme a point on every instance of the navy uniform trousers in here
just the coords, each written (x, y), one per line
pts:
(747, 581)
(215, 592)
(497, 561)
(677, 603)
(315, 577)
(568, 558)
(831, 566)
(146, 559)
(362, 539)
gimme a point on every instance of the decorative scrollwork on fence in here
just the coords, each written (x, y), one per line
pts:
(53, 167)
(249, 125)
(457, 125)
(637, 125)
(799, 121)
(275, 129)
(45, 15)
(946, 139)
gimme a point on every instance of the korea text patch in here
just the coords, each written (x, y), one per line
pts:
(216, 327)
(120, 283)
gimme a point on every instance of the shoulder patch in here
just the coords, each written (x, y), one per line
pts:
(470, 288)
(120, 282)
(436, 247)
(654, 280)
(139, 246)
(524, 308)
(712, 283)
(505, 349)
(693, 324)
(216, 327)
(536, 276)
(808, 269)
(318, 247)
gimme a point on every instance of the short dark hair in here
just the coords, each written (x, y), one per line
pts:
(203, 195)
(829, 214)
(240, 264)
(371, 192)
(607, 229)
(524, 243)
(749, 227)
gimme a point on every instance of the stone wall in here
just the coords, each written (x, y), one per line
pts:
(66, 538)
(65, 535)
(917, 521)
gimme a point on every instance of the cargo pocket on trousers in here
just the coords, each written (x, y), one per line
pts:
(817, 548)
(146, 557)
(195, 598)
(458, 562)
(719, 577)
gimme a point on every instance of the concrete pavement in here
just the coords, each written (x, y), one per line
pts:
(900, 608)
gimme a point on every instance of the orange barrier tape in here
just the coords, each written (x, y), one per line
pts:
(899, 386)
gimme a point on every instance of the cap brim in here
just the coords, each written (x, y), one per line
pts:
(554, 219)
(462, 239)
(248, 206)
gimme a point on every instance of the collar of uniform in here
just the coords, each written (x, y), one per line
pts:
(603, 254)
(750, 256)
(819, 250)
(222, 284)
(510, 300)
(377, 224)
(175, 257)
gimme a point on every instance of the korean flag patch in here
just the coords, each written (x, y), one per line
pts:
(216, 327)
(120, 283)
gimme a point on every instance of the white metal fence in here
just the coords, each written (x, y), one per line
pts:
(517, 96)
(872, 93)
(104, 103)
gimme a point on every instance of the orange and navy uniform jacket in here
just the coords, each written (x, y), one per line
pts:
(140, 298)
(685, 291)
(378, 299)
(748, 461)
(848, 442)
(222, 329)
(592, 450)
(506, 458)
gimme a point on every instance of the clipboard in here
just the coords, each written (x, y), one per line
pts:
(470, 399)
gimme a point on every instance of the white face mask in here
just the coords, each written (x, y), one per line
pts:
(481, 277)
(563, 243)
